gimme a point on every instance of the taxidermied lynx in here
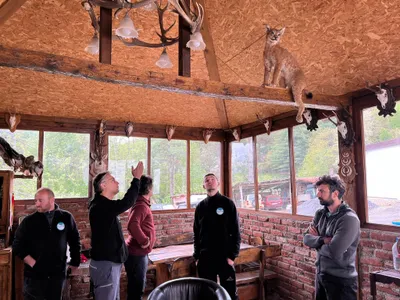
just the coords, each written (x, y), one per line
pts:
(279, 61)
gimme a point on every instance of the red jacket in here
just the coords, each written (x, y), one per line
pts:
(140, 227)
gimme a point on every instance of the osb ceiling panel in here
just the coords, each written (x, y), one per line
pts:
(36, 93)
(63, 27)
(339, 44)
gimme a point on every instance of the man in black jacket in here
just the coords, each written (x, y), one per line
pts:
(216, 236)
(41, 241)
(109, 250)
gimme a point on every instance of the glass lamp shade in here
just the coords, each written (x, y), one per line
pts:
(126, 28)
(150, 7)
(196, 42)
(93, 47)
(164, 62)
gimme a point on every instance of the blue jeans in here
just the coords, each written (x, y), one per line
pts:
(136, 269)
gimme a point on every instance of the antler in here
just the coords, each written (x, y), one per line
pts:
(195, 21)
(336, 124)
(375, 89)
(165, 41)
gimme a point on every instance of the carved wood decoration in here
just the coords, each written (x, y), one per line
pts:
(347, 171)
(98, 162)
(12, 121)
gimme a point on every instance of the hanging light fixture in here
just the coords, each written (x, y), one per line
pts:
(93, 47)
(164, 62)
(196, 42)
(126, 28)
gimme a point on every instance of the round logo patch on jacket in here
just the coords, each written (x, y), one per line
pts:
(60, 226)
(220, 211)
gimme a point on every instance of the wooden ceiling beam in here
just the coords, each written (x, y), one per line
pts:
(67, 66)
(212, 65)
(9, 8)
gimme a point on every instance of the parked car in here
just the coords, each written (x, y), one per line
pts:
(271, 202)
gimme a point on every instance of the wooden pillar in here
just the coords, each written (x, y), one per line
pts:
(184, 52)
(105, 35)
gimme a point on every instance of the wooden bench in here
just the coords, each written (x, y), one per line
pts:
(252, 275)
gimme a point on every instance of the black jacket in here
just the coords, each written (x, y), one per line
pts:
(48, 244)
(107, 239)
(216, 228)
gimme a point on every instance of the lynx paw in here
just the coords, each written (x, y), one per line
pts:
(299, 118)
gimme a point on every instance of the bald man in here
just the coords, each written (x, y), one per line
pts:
(41, 242)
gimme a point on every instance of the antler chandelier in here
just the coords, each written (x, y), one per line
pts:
(128, 34)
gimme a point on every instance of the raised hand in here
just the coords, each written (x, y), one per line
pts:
(138, 171)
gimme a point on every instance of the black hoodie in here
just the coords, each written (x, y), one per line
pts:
(216, 228)
(47, 244)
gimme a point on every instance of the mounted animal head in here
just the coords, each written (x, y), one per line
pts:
(344, 127)
(274, 35)
(311, 118)
(236, 132)
(12, 121)
(128, 129)
(385, 96)
(267, 122)
(170, 130)
(207, 134)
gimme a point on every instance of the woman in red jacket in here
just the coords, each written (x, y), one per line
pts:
(141, 239)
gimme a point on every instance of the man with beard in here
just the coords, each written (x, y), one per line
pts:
(334, 233)
(216, 236)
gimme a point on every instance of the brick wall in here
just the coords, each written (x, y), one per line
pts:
(295, 267)
(165, 224)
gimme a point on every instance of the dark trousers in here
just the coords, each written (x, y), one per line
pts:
(43, 289)
(136, 268)
(209, 268)
(328, 287)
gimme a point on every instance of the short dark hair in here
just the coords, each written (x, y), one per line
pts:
(97, 181)
(146, 185)
(334, 183)
(210, 174)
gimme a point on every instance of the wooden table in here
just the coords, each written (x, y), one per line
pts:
(160, 257)
(387, 276)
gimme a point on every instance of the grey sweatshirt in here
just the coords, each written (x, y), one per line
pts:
(338, 257)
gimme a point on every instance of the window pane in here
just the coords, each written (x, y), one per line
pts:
(25, 142)
(123, 153)
(242, 172)
(382, 158)
(316, 154)
(66, 164)
(204, 159)
(168, 169)
(273, 172)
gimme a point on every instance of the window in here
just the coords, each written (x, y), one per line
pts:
(66, 164)
(168, 169)
(273, 172)
(123, 153)
(242, 173)
(25, 142)
(316, 154)
(382, 165)
(204, 159)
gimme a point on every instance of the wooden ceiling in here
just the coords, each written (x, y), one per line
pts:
(339, 44)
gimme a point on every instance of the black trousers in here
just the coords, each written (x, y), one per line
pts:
(328, 287)
(43, 289)
(136, 268)
(209, 268)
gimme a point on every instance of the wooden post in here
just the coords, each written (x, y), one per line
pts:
(105, 35)
(184, 52)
